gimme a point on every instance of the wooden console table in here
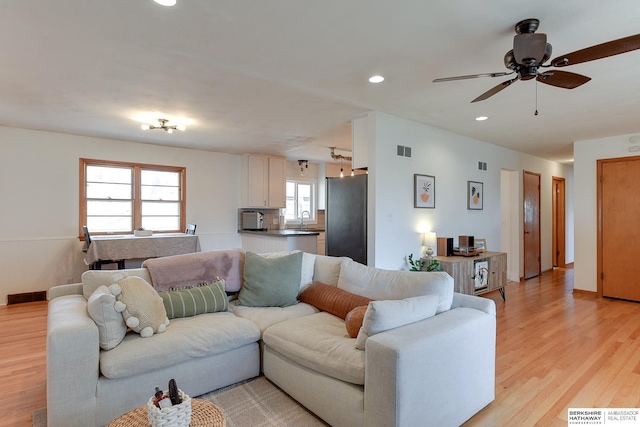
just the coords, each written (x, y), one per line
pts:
(470, 276)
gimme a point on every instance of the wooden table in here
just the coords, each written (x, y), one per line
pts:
(203, 414)
(140, 247)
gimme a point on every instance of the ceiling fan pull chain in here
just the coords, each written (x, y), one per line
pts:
(536, 113)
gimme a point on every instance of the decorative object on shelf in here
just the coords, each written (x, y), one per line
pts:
(304, 164)
(423, 264)
(140, 232)
(424, 191)
(475, 195)
(480, 273)
(429, 241)
(162, 124)
(481, 245)
(445, 246)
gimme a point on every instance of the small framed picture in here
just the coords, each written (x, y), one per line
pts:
(475, 195)
(481, 245)
(480, 273)
(424, 191)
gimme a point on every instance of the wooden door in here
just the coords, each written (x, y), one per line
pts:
(618, 234)
(531, 226)
(558, 196)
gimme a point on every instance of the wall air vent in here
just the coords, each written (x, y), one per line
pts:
(403, 151)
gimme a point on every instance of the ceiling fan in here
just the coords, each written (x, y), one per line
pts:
(531, 51)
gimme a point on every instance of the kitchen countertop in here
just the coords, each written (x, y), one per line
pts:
(285, 233)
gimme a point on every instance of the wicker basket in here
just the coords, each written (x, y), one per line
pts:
(173, 416)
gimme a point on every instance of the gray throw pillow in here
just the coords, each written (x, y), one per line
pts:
(273, 282)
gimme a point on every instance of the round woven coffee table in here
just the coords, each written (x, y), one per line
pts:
(203, 414)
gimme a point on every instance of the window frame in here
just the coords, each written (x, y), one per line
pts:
(314, 200)
(136, 189)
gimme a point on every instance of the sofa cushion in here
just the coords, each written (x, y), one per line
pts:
(267, 316)
(379, 284)
(92, 279)
(332, 300)
(141, 306)
(319, 342)
(209, 298)
(327, 269)
(382, 316)
(187, 338)
(271, 282)
(111, 327)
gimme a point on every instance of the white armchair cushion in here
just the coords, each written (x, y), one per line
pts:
(389, 314)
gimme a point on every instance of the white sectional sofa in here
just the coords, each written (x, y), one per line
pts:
(438, 371)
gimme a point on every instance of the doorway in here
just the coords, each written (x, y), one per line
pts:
(618, 236)
(531, 224)
(558, 207)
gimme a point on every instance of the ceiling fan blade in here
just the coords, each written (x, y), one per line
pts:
(472, 76)
(563, 79)
(604, 50)
(495, 89)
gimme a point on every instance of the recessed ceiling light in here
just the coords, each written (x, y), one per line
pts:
(481, 118)
(166, 2)
(376, 79)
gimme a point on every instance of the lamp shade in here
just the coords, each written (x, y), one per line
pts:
(429, 239)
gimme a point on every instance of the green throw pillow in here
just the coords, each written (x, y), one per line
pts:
(271, 282)
(210, 298)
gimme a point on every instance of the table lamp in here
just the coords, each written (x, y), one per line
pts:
(429, 241)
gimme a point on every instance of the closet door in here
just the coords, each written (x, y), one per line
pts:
(618, 233)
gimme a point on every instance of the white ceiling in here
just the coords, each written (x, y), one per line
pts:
(285, 77)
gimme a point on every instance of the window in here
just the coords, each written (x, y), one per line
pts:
(118, 197)
(301, 197)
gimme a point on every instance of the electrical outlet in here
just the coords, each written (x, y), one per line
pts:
(389, 216)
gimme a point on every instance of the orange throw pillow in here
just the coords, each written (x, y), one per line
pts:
(333, 300)
(354, 319)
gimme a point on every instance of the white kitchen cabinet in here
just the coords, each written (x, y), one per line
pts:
(321, 244)
(263, 181)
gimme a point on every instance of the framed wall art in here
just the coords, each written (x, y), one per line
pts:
(424, 191)
(481, 245)
(475, 195)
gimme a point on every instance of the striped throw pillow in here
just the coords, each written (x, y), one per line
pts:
(186, 302)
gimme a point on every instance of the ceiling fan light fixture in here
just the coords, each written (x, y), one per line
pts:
(376, 79)
(163, 124)
(167, 3)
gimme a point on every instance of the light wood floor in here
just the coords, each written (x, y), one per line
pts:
(556, 349)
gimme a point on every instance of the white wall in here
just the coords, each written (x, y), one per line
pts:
(453, 160)
(39, 196)
(586, 153)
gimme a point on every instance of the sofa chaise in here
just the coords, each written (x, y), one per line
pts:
(423, 356)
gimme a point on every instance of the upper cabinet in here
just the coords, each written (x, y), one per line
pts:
(263, 181)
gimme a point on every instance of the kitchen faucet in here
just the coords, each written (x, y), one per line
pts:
(302, 218)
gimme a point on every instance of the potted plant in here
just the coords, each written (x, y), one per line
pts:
(428, 264)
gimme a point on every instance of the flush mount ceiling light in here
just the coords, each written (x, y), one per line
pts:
(481, 118)
(376, 79)
(162, 124)
(168, 3)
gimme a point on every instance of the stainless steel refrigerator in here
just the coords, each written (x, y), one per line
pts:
(346, 217)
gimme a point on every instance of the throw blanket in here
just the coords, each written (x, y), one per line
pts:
(179, 271)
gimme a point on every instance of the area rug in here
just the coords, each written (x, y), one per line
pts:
(253, 403)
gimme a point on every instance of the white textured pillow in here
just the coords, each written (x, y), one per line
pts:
(389, 314)
(379, 284)
(111, 327)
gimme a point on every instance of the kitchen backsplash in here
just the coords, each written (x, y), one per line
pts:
(271, 218)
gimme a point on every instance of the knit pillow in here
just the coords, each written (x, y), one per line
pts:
(140, 305)
(186, 302)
